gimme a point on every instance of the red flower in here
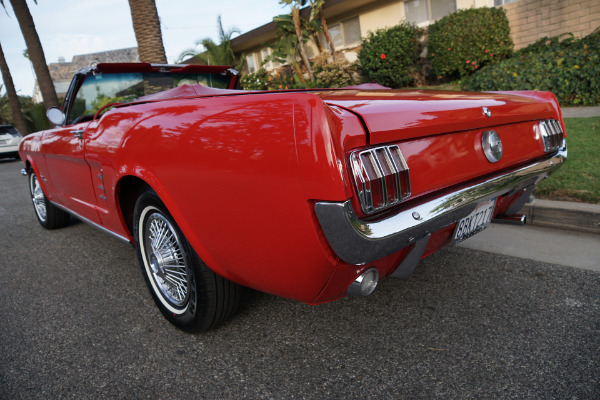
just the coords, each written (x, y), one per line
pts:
(382, 56)
(468, 61)
(486, 51)
(448, 48)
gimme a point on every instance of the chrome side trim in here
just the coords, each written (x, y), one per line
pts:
(358, 241)
(87, 221)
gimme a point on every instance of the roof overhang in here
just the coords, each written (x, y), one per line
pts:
(266, 33)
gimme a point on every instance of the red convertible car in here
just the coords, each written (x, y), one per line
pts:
(306, 194)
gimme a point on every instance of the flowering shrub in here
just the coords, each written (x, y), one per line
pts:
(335, 74)
(390, 57)
(464, 41)
(570, 69)
(264, 80)
(256, 81)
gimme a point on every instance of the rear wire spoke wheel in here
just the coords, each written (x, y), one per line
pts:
(186, 291)
(163, 253)
(48, 215)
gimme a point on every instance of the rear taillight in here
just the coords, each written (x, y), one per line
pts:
(381, 177)
(552, 134)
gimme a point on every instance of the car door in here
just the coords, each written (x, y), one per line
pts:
(69, 173)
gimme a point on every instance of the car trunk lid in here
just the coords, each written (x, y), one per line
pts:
(407, 114)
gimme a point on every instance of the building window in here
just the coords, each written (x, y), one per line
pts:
(501, 2)
(251, 63)
(345, 33)
(262, 55)
(421, 11)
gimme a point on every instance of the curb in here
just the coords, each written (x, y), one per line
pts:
(580, 217)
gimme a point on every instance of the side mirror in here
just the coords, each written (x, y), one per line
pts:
(56, 116)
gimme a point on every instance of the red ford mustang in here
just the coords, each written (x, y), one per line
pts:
(310, 195)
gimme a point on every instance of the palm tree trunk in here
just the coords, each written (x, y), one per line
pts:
(148, 35)
(296, 18)
(13, 99)
(36, 52)
(327, 35)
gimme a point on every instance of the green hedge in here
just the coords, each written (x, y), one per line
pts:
(391, 56)
(569, 68)
(464, 41)
(335, 74)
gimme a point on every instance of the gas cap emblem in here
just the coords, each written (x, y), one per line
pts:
(492, 146)
(486, 112)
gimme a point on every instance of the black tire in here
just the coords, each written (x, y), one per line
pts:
(48, 215)
(189, 294)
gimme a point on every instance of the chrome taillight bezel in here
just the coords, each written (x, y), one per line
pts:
(551, 134)
(382, 168)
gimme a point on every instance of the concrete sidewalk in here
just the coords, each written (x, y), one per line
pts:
(549, 245)
(580, 112)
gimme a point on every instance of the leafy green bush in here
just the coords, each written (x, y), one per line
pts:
(35, 118)
(466, 40)
(569, 68)
(334, 74)
(390, 56)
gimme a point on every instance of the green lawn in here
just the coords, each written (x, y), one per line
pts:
(579, 178)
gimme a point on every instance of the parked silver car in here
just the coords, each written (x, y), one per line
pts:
(9, 141)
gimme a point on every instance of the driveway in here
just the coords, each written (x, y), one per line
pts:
(77, 322)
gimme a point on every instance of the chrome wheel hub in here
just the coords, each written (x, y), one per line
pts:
(164, 255)
(37, 196)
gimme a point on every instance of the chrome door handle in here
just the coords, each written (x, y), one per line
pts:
(78, 133)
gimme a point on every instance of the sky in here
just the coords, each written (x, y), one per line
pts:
(71, 27)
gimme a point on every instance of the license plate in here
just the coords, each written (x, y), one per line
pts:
(475, 222)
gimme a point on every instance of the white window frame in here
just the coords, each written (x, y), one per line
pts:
(503, 2)
(429, 13)
(252, 57)
(341, 25)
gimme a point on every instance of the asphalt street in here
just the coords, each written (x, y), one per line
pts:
(76, 321)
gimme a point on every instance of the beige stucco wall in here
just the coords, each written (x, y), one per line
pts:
(386, 16)
(531, 20)
(462, 4)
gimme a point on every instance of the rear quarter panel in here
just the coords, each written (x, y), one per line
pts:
(238, 174)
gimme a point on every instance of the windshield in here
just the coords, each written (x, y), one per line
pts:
(99, 90)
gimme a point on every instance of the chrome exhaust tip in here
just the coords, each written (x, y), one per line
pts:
(23, 172)
(365, 284)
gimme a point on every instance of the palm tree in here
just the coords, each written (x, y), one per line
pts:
(11, 93)
(148, 35)
(214, 54)
(316, 11)
(35, 50)
(295, 6)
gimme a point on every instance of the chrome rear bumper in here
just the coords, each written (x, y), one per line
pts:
(359, 242)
